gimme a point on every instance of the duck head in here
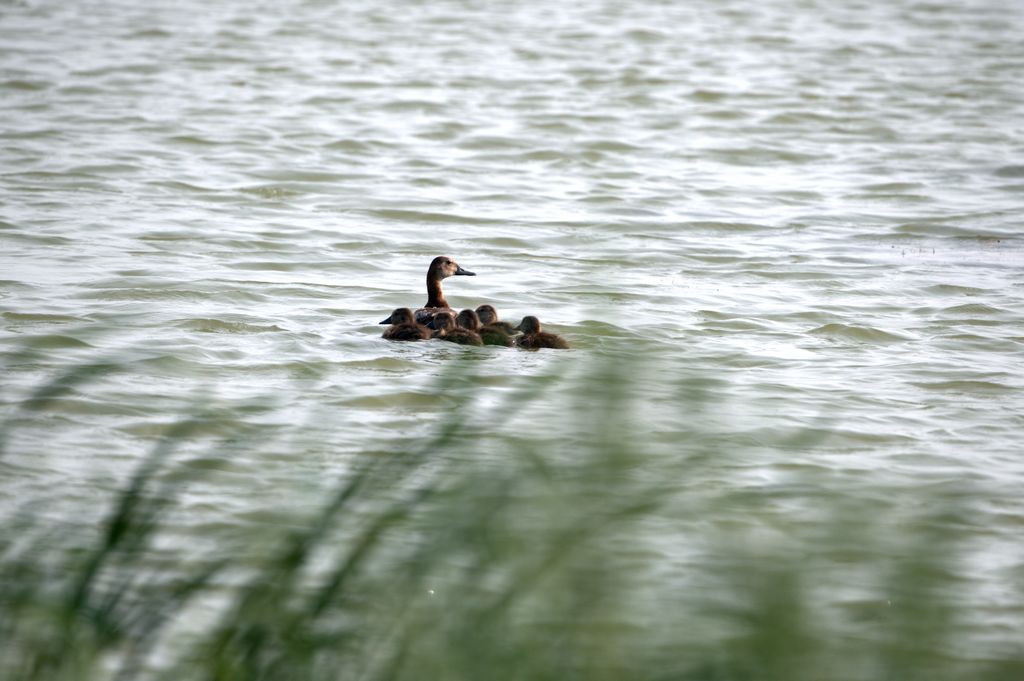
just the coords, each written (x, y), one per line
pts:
(487, 314)
(530, 324)
(443, 267)
(444, 321)
(402, 315)
(468, 319)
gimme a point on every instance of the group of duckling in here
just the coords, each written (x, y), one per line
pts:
(481, 326)
(472, 327)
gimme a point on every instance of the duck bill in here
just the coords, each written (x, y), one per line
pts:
(386, 321)
(464, 272)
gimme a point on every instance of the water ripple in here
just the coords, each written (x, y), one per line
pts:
(799, 218)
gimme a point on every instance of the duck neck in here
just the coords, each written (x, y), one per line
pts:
(435, 296)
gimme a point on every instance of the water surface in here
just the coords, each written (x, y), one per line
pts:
(803, 215)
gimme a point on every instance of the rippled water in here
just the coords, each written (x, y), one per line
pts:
(811, 210)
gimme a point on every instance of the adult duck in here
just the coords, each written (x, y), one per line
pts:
(404, 327)
(534, 338)
(440, 269)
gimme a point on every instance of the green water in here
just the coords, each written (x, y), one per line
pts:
(783, 240)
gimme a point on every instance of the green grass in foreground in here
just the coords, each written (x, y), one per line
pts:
(527, 563)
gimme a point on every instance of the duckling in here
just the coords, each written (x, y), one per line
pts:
(443, 320)
(468, 320)
(534, 339)
(404, 327)
(447, 330)
(492, 331)
(440, 268)
(489, 317)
